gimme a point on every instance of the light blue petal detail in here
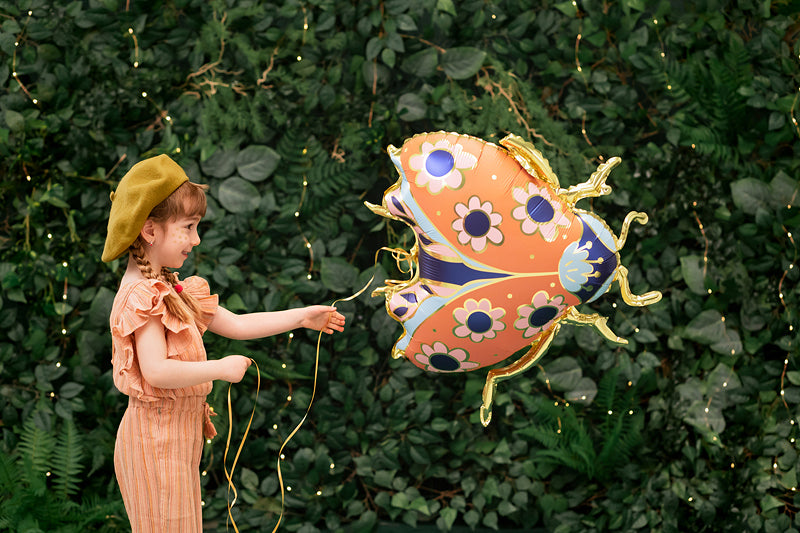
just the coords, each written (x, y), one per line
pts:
(602, 290)
(573, 268)
(600, 229)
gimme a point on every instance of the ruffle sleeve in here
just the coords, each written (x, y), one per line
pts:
(198, 287)
(144, 301)
(133, 308)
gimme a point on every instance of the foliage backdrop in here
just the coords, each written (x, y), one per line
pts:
(693, 424)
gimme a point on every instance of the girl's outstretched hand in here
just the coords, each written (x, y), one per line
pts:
(323, 318)
(234, 367)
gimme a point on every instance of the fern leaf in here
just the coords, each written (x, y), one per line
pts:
(36, 448)
(67, 460)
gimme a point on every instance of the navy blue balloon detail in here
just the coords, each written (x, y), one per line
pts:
(398, 205)
(442, 361)
(431, 268)
(410, 297)
(606, 268)
(542, 316)
(477, 223)
(427, 289)
(423, 239)
(539, 209)
(439, 163)
(479, 322)
(400, 311)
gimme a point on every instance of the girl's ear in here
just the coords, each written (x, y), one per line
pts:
(148, 232)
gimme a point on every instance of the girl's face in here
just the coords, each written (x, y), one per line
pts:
(174, 240)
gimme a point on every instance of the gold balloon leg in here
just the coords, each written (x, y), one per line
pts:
(594, 186)
(600, 323)
(633, 299)
(537, 350)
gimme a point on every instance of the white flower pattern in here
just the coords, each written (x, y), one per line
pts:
(477, 224)
(438, 358)
(478, 320)
(540, 314)
(440, 165)
(538, 212)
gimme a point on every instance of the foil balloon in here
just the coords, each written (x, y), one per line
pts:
(502, 255)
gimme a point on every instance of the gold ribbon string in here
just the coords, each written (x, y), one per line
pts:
(229, 476)
(399, 256)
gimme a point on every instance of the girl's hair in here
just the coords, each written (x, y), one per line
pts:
(188, 200)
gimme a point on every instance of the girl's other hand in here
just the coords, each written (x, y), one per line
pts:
(323, 318)
(234, 367)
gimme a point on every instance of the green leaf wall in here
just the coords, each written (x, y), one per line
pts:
(285, 110)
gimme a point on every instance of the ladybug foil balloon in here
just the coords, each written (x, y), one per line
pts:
(502, 255)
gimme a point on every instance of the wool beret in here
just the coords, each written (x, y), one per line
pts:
(147, 184)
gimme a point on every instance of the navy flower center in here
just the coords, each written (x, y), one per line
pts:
(539, 209)
(445, 362)
(542, 316)
(479, 322)
(477, 223)
(439, 163)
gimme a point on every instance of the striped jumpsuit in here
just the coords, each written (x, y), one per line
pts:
(160, 438)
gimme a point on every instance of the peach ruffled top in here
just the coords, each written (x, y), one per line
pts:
(135, 303)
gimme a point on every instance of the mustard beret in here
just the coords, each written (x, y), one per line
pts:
(147, 184)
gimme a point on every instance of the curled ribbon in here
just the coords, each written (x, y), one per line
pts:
(400, 256)
(229, 475)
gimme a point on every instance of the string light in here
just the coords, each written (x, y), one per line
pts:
(135, 48)
(14, 73)
(663, 56)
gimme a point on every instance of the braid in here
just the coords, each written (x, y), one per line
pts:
(183, 305)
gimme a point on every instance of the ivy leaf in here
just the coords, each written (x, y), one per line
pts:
(238, 196)
(337, 274)
(584, 391)
(706, 328)
(15, 120)
(564, 373)
(750, 194)
(256, 162)
(462, 62)
(692, 270)
(410, 107)
(422, 63)
(221, 164)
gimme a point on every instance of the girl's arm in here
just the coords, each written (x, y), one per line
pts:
(164, 373)
(323, 318)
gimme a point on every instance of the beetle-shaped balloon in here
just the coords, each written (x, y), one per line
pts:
(502, 254)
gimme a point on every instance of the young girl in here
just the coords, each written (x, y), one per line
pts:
(158, 358)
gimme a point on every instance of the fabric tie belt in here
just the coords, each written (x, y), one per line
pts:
(181, 403)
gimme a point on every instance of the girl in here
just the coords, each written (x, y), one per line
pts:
(158, 356)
